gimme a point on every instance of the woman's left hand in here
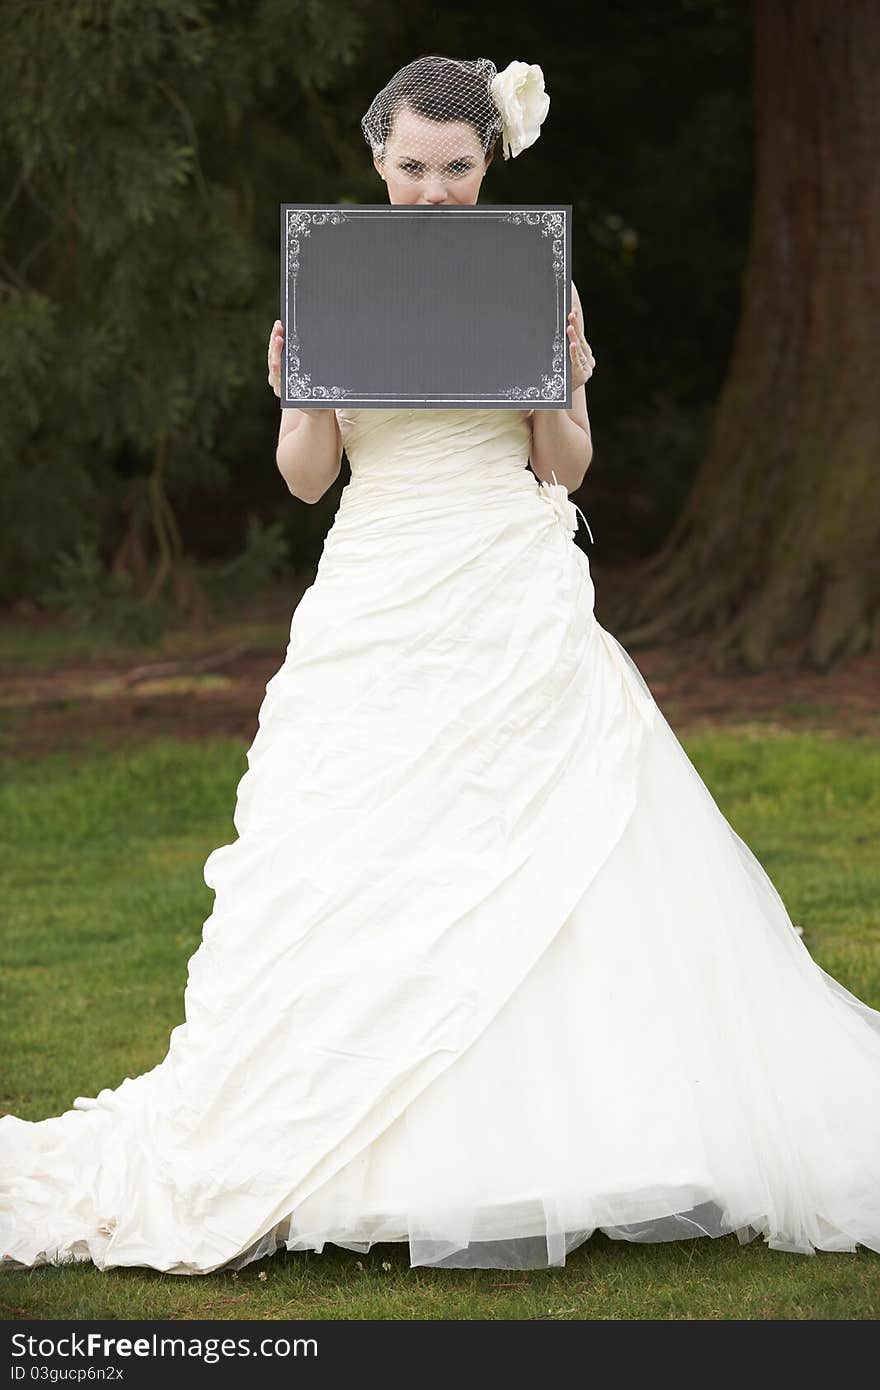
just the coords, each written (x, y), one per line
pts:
(582, 359)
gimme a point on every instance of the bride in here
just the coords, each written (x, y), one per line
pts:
(487, 969)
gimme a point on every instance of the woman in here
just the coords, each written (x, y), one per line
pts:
(487, 969)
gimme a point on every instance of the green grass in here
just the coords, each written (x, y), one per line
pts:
(603, 1279)
(102, 877)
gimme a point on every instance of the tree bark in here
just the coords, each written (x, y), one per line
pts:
(779, 540)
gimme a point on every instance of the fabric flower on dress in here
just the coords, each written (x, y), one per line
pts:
(566, 510)
(519, 94)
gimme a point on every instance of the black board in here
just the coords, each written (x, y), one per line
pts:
(408, 305)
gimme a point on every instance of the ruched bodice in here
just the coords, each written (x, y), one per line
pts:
(442, 457)
(451, 442)
(419, 470)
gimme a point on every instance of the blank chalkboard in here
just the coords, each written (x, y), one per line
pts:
(440, 307)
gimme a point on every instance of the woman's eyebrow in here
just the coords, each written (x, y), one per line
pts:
(414, 159)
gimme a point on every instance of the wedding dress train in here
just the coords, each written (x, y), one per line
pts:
(487, 969)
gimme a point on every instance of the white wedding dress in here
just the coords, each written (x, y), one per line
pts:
(487, 969)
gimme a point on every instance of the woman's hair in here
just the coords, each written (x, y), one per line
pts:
(442, 89)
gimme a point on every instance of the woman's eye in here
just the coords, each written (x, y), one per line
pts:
(458, 166)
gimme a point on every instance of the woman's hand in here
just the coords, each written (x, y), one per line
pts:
(276, 347)
(582, 359)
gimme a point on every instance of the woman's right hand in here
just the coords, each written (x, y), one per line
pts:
(276, 346)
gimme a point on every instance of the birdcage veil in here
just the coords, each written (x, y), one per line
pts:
(446, 112)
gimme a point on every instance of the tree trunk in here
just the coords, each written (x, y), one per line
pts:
(780, 538)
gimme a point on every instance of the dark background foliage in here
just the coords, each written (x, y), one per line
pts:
(144, 149)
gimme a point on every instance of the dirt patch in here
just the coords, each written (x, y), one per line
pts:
(217, 693)
(785, 695)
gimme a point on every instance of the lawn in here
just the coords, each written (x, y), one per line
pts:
(102, 878)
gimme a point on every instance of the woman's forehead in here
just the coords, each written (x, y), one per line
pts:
(418, 137)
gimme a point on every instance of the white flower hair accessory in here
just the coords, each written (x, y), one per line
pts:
(519, 94)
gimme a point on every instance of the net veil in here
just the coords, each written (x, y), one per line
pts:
(434, 127)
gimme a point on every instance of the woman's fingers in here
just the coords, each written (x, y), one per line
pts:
(575, 334)
(580, 348)
(276, 343)
(582, 359)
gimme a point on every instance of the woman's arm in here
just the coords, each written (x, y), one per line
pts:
(309, 451)
(561, 439)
